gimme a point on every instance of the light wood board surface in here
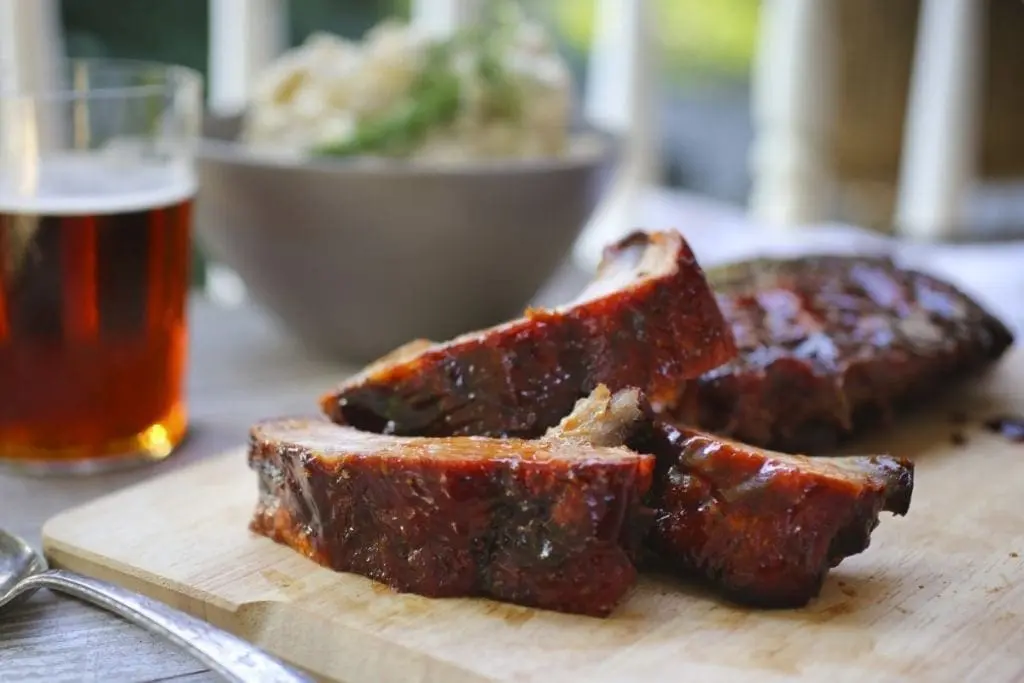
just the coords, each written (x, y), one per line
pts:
(939, 595)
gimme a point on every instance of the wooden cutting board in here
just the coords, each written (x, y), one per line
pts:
(939, 596)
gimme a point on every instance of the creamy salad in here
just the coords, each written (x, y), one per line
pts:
(496, 92)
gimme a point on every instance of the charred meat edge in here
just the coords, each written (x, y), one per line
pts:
(649, 320)
(553, 523)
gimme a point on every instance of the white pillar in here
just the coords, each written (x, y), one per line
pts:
(31, 50)
(31, 40)
(621, 99)
(443, 17)
(792, 113)
(245, 35)
(940, 134)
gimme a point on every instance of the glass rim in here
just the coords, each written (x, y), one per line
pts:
(170, 78)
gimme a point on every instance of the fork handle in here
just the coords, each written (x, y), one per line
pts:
(231, 657)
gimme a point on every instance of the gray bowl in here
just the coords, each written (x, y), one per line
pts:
(358, 257)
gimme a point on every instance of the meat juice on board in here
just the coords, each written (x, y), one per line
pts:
(94, 273)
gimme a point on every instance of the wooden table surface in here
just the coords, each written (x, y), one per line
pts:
(242, 367)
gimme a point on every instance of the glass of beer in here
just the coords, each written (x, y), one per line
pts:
(96, 185)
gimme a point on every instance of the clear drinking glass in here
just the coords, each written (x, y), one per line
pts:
(97, 180)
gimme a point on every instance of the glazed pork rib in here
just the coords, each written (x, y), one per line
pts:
(649, 320)
(551, 523)
(828, 344)
(764, 528)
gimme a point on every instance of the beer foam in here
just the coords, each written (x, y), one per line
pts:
(97, 183)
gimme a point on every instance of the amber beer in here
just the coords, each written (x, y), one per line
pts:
(93, 331)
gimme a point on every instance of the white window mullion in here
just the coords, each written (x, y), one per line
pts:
(31, 48)
(31, 40)
(443, 17)
(793, 113)
(620, 99)
(940, 135)
(245, 35)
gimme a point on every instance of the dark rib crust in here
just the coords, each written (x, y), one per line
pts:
(829, 344)
(648, 321)
(764, 527)
(540, 523)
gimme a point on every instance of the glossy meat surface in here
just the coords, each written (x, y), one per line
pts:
(649, 320)
(539, 523)
(764, 528)
(829, 345)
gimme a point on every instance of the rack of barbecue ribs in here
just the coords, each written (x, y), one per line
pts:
(831, 344)
(649, 320)
(546, 460)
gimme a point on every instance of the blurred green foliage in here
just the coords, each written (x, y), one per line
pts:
(178, 31)
(175, 32)
(699, 39)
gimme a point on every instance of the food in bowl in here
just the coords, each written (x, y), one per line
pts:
(494, 92)
(356, 241)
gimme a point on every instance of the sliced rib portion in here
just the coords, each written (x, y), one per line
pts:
(829, 344)
(649, 320)
(765, 527)
(547, 523)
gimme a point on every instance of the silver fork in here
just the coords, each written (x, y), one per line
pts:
(24, 571)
